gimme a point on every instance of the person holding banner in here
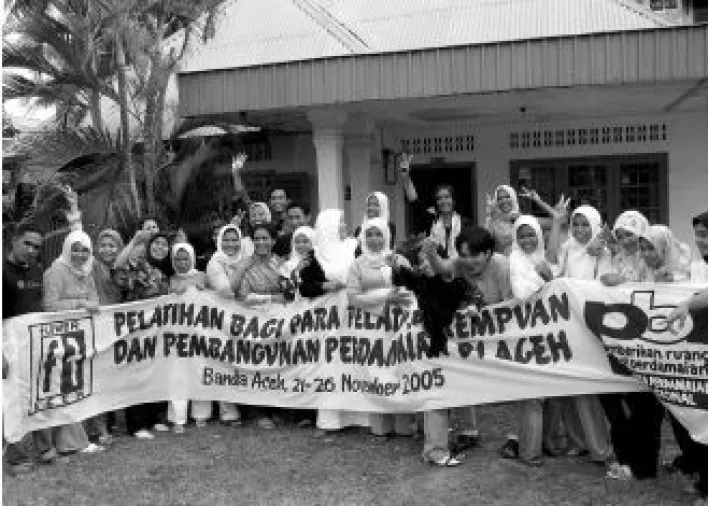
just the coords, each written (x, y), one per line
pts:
(635, 418)
(21, 294)
(583, 256)
(224, 275)
(261, 285)
(185, 278)
(69, 285)
(667, 259)
(300, 249)
(530, 271)
(144, 277)
(370, 286)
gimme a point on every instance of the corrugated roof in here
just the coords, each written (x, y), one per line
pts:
(256, 32)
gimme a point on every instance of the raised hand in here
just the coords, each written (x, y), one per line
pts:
(71, 196)
(560, 211)
(238, 161)
(404, 163)
(238, 217)
(528, 193)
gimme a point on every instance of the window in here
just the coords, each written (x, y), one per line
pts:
(612, 184)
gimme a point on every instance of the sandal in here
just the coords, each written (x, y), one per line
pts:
(232, 423)
(510, 450)
(446, 461)
(106, 439)
(536, 462)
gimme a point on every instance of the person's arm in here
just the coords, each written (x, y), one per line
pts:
(140, 238)
(73, 215)
(92, 303)
(444, 267)
(240, 193)
(404, 167)
(697, 302)
(218, 280)
(357, 296)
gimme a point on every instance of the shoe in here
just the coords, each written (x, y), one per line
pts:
(200, 424)
(160, 427)
(178, 429)
(537, 462)
(93, 448)
(49, 456)
(266, 423)
(510, 450)
(144, 434)
(446, 461)
(620, 473)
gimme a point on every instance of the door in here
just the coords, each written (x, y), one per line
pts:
(460, 176)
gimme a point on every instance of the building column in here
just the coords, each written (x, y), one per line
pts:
(359, 144)
(328, 138)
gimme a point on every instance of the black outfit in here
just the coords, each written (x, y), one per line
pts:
(422, 221)
(392, 242)
(283, 245)
(312, 278)
(21, 294)
(21, 289)
(693, 458)
(438, 300)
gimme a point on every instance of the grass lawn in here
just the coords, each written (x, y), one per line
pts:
(220, 465)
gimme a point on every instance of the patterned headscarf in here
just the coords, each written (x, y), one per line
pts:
(81, 237)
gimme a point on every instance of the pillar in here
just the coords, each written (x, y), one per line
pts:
(328, 138)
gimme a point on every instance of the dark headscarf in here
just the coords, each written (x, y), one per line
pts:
(165, 265)
(701, 219)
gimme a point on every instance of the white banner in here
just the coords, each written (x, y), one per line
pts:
(66, 367)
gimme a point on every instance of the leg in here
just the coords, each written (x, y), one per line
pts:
(71, 438)
(381, 424)
(531, 430)
(646, 418)
(593, 424)
(44, 444)
(555, 441)
(201, 411)
(228, 412)
(177, 412)
(404, 424)
(620, 432)
(435, 425)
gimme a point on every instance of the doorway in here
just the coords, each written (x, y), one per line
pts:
(461, 176)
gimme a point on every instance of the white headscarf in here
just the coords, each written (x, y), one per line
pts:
(514, 201)
(264, 207)
(576, 262)
(631, 221)
(294, 260)
(384, 212)
(183, 246)
(335, 255)
(524, 279)
(675, 254)
(220, 256)
(377, 260)
(82, 238)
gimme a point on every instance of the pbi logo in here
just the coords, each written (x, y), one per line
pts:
(644, 318)
(62, 363)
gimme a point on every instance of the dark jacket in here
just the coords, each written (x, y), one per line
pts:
(312, 277)
(21, 289)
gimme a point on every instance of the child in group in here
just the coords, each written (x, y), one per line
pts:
(185, 278)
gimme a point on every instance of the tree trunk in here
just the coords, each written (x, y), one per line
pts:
(149, 145)
(124, 122)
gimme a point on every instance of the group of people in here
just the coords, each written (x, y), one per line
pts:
(269, 253)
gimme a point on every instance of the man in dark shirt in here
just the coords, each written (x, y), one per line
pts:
(297, 215)
(21, 294)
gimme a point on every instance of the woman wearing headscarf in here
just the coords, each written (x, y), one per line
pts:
(145, 277)
(699, 267)
(583, 256)
(667, 259)
(530, 271)
(262, 285)
(635, 418)
(377, 206)
(68, 285)
(627, 262)
(224, 275)
(502, 211)
(301, 247)
(186, 277)
(370, 286)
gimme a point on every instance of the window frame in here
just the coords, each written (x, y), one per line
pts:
(613, 188)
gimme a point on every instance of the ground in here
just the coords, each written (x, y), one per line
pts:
(288, 466)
